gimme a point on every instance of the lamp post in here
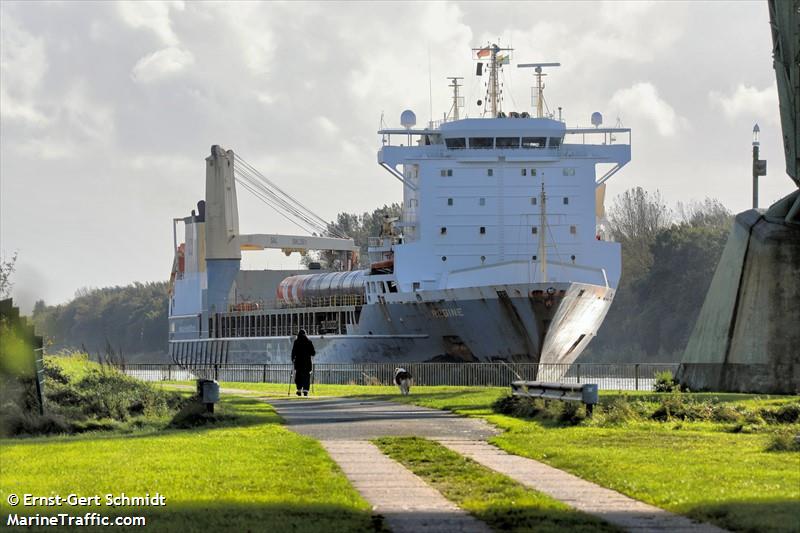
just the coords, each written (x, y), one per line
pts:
(759, 165)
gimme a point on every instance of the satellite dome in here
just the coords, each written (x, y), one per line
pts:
(597, 118)
(408, 119)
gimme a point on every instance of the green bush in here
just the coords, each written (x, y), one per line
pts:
(537, 408)
(620, 411)
(788, 414)
(572, 413)
(16, 421)
(784, 441)
(665, 382)
(726, 413)
(193, 414)
(84, 396)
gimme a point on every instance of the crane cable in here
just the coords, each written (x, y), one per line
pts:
(286, 205)
(281, 200)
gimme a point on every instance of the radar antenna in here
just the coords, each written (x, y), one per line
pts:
(538, 91)
(458, 101)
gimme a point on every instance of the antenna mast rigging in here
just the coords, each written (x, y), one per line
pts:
(458, 101)
(496, 61)
(539, 88)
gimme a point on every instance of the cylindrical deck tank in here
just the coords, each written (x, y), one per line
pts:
(295, 290)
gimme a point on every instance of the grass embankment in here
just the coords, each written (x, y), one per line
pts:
(499, 501)
(715, 470)
(236, 470)
(246, 474)
(81, 395)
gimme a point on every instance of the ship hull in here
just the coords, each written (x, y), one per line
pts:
(539, 323)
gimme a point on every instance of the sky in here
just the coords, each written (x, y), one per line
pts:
(107, 110)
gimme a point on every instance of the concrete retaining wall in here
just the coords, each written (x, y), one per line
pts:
(747, 336)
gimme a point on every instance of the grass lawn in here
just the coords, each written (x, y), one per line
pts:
(250, 474)
(699, 469)
(693, 468)
(280, 389)
(499, 501)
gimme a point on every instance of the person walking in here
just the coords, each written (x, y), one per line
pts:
(302, 352)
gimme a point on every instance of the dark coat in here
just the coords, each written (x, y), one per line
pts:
(302, 352)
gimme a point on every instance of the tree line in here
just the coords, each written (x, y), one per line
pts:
(119, 323)
(668, 259)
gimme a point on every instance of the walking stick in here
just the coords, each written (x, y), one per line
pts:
(291, 378)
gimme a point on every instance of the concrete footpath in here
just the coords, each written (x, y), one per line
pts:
(610, 505)
(407, 503)
(344, 425)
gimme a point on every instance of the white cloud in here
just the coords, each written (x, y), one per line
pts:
(87, 118)
(13, 109)
(23, 64)
(642, 101)
(250, 28)
(47, 148)
(161, 64)
(748, 101)
(154, 16)
(327, 125)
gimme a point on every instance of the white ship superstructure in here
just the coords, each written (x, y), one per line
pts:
(498, 254)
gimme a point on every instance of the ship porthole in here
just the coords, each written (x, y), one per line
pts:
(444, 258)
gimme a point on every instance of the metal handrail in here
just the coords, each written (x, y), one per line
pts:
(624, 376)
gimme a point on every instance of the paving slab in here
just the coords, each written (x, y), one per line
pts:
(408, 504)
(618, 509)
(360, 419)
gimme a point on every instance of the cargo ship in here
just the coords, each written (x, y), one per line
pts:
(499, 253)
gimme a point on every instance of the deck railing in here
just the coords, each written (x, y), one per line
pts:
(622, 376)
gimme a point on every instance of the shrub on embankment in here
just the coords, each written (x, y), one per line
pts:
(81, 395)
(780, 418)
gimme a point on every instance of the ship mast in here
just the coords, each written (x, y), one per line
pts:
(542, 235)
(538, 90)
(457, 99)
(494, 89)
(496, 60)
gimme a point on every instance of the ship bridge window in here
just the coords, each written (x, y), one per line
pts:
(455, 144)
(555, 142)
(568, 171)
(481, 142)
(507, 142)
(534, 142)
